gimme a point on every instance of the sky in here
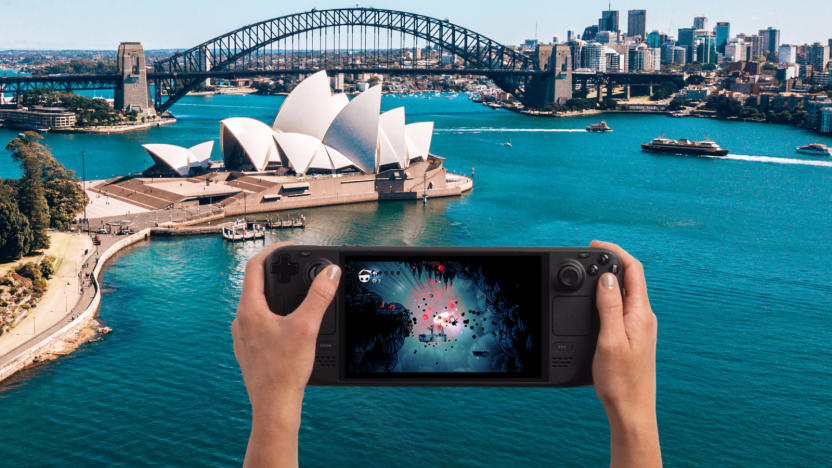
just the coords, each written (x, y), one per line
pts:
(171, 24)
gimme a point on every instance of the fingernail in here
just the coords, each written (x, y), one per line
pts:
(608, 281)
(334, 273)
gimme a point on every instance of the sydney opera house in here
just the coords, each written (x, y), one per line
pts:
(322, 149)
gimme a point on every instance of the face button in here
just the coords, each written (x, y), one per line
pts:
(592, 270)
(604, 259)
(614, 268)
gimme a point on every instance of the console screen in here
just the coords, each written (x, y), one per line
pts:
(471, 316)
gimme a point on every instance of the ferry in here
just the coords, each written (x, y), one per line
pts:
(599, 127)
(683, 147)
(815, 149)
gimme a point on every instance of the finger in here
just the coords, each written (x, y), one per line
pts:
(319, 296)
(254, 282)
(634, 282)
(610, 309)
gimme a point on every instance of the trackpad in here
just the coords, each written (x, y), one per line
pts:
(572, 316)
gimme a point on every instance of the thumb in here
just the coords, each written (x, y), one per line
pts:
(610, 309)
(320, 294)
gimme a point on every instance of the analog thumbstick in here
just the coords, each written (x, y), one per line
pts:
(316, 267)
(570, 275)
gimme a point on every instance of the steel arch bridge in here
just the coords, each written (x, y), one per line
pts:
(250, 50)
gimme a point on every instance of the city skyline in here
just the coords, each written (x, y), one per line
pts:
(99, 25)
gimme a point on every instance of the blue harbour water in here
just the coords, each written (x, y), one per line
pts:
(738, 265)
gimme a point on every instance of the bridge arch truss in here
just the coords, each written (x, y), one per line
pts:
(342, 45)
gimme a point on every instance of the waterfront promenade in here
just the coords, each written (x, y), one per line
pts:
(64, 334)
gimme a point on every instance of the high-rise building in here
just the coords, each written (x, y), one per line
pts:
(735, 50)
(700, 22)
(723, 32)
(817, 55)
(590, 32)
(596, 59)
(637, 23)
(608, 21)
(771, 39)
(570, 35)
(656, 39)
(706, 48)
(787, 54)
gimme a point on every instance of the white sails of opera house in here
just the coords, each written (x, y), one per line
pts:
(316, 131)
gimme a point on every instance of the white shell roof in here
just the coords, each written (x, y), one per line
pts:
(310, 108)
(299, 149)
(202, 153)
(180, 159)
(255, 138)
(392, 129)
(418, 136)
(354, 132)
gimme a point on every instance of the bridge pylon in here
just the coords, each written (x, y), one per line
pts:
(555, 87)
(132, 93)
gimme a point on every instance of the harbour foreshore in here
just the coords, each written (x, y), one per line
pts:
(74, 328)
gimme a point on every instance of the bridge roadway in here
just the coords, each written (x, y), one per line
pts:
(19, 84)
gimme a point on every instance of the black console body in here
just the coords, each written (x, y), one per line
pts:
(449, 316)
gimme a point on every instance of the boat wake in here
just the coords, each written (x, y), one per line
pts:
(510, 130)
(774, 160)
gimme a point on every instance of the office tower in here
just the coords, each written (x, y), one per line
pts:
(706, 48)
(817, 55)
(570, 35)
(771, 39)
(787, 54)
(700, 22)
(608, 21)
(656, 39)
(723, 32)
(590, 32)
(636, 23)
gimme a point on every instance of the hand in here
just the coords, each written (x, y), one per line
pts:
(624, 367)
(276, 354)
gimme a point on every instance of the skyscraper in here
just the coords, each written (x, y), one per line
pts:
(817, 55)
(700, 22)
(723, 32)
(706, 48)
(771, 39)
(636, 23)
(608, 21)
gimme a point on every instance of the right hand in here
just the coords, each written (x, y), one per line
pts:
(624, 367)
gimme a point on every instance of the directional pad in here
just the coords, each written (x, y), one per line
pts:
(284, 268)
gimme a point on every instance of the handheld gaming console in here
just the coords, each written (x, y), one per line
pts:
(449, 316)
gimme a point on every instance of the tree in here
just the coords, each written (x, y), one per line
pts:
(32, 202)
(28, 143)
(65, 199)
(64, 195)
(749, 113)
(724, 106)
(695, 80)
(15, 235)
(678, 103)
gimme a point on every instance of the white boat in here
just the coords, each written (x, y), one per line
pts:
(815, 149)
(240, 231)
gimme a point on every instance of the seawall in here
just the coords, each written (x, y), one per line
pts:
(58, 337)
